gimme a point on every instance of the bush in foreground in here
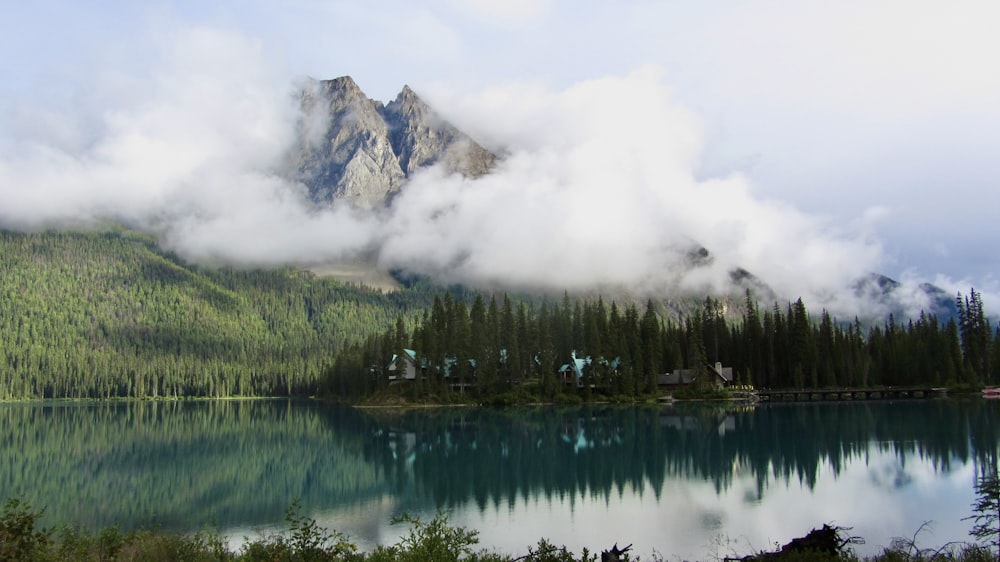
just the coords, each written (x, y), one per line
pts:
(21, 539)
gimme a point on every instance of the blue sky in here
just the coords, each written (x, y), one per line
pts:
(874, 123)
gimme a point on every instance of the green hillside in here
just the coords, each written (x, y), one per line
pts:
(111, 314)
(98, 315)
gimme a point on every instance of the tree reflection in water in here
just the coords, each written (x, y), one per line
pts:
(493, 456)
(182, 465)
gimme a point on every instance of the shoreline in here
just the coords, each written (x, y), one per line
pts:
(661, 401)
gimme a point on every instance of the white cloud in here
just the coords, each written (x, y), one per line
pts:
(600, 184)
(192, 159)
(600, 187)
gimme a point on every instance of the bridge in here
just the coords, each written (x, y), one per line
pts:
(830, 394)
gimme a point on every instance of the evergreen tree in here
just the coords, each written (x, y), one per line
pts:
(652, 348)
(976, 334)
(802, 347)
(545, 365)
(987, 508)
(753, 342)
(825, 351)
(479, 347)
(510, 350)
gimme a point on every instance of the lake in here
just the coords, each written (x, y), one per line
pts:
(686, 481)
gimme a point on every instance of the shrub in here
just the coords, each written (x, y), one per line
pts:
(435, 541)
(548, 552)
(19, 539)
(305, 542)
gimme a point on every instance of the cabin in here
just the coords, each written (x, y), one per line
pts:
(572, 372)
(718, 375)
(403, 366)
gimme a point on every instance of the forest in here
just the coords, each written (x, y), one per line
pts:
(624, 350)
(111, 314)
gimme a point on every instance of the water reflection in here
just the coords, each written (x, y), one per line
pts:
(489, 456)
(177, 464)
(671, 478)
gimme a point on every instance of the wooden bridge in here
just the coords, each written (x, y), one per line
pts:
(831, 394)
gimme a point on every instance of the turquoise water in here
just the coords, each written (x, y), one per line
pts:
(687, 482)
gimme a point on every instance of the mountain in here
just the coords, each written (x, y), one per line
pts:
(353, 148)
(421, 138)
(356, 149)
(905, 302)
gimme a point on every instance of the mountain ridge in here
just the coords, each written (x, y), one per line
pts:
(356, 149)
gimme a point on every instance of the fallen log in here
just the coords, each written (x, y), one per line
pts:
(826, 539)
(615, 554)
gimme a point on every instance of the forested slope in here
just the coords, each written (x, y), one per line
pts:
(111, 314)
(543, 350)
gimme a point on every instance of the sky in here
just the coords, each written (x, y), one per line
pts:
(809, 142)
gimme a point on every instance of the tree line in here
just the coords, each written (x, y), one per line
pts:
(112, 314)
(503, 344)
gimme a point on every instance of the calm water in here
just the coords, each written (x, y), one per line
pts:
(688, 482)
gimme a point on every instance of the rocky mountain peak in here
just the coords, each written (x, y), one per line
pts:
(345, 85)
(407, 102)
(334, 93)
(406, 92)
(355, 148)
(343, 150)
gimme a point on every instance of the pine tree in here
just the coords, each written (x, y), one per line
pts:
(802, 347)
(510, 351)
(976, 334)
(825, 348)
(987, 508)
(753, 341)
(652, 347)
(479, 347)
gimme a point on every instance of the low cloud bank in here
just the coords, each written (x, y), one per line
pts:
(598, 187)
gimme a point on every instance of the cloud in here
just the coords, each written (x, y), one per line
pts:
(988, 288)
(193, 159)
(598, 188)
(849, 104)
